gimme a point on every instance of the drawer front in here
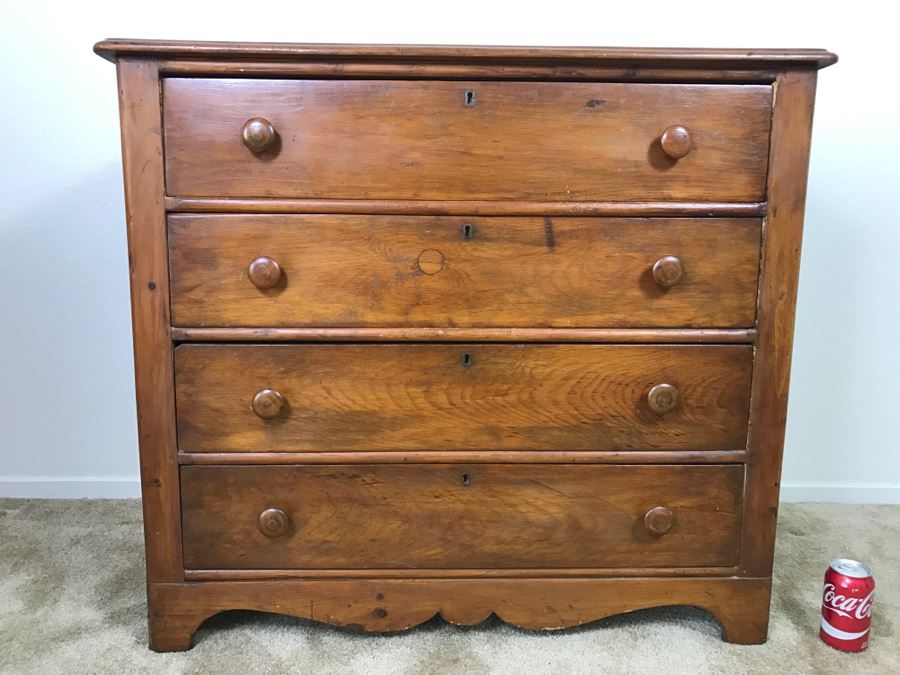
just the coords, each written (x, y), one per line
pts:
(431, 516)
(382, 271)
(337, 397)
(542, 141)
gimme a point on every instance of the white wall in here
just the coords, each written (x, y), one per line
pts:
(66, 399)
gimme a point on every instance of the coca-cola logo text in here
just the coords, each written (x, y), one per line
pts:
(861, 608)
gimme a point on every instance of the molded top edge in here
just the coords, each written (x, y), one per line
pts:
(111, 49)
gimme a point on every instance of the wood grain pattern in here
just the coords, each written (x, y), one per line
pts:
(413, 55)
(433, 516)
(468, 457)
(420, 397)
(792, 127)
(418, 140)
(528, 424)
(496, 334)
(741, 605)
(468, 207)
(483, 70)
(148, 262)
(383, 271)
(468, 573)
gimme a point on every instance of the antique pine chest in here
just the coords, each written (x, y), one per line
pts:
(461, 330)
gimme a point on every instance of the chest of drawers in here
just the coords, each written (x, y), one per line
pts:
(461, 330)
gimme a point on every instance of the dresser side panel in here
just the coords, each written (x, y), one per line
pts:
(141, 123)
(782, 233)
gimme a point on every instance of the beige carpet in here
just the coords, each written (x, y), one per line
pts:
(72, 601)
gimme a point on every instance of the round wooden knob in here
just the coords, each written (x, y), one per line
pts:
(258, 134)
(264, 272)
(658, 520)
(268, 404)
(273, 523)
(662, 398)
(676, 141)
(667, 271)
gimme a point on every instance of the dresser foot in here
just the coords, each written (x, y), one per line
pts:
(172, 625)
(744, 620)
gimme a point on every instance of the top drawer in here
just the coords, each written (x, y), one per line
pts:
(440, 140)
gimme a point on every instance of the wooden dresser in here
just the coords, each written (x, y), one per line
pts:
(461, 330)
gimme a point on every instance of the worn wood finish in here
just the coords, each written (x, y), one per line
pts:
(792, 127)
(385, 70)
(457, 232)
(413, 207)
(668, 271)
(464, 272)
(468, 573)
(465, 140)
(662, 398)
(147, 257)
(258, 135)
(741, 605)
(434, 516)
(268, 404)
(618, 335)
(468, 457)
(416, 55)
(676, 141)
(461, 397)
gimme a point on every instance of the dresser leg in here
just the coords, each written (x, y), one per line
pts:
(171, 624)
(744, 619)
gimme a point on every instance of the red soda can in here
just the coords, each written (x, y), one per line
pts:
(847, 605)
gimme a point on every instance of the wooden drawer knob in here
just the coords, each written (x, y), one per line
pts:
(258, 134)
(268, 404)
(662, 398)
(676, 141)
(667, 271)
(273, 523)
(264, 272)
(658, 520)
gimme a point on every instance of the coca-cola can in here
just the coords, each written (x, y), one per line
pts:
(847, 605)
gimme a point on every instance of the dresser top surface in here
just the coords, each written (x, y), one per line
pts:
(111, 49)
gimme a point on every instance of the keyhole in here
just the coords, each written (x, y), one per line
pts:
(465, 480)
(468, 230)
(466, 359)
(470, 98)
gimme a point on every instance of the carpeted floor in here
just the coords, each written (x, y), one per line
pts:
(72, 601)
